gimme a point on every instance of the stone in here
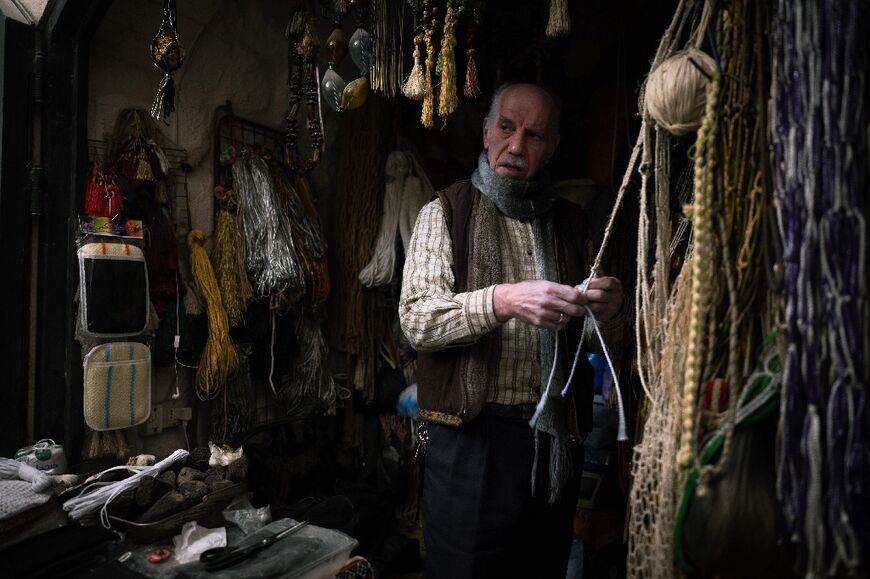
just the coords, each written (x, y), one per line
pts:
(123, 505)
(218, 484)
(188, 474)
(237, 471)
(168, 477)
(169, 504)
(193, 491)
(149, 491)
(198, 458)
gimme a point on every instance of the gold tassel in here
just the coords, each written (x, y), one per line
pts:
(428, 116)
(560, 21)
(219, 358)
(413, 88)
(233, 282)
(143, 169)
(447, 98)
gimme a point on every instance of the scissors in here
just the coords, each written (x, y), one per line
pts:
(223, 557)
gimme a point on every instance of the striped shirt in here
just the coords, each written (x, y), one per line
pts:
(433, 317)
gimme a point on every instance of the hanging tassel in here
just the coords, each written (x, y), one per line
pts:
(102, 197)
(560, 21)
(472, 89)
(413, 88)
(231, 275)
(143, 168)
(447, 99)
(428, 115)
(168, 55)
(219, 359)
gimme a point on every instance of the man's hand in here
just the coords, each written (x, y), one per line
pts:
(541, 303)
(605, 298)
(551, 305)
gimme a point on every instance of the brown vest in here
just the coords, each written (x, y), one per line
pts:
(441, 392)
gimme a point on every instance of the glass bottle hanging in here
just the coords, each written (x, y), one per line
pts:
(336, 45)
(361, 50)
(332, 87)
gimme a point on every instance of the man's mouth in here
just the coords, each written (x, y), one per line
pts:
(512, 168)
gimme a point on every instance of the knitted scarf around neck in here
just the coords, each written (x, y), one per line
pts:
(526, 200)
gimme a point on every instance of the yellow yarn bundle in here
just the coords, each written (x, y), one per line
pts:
(219, 358)
(232, 276)
(676, 91)
(447, 98)
(428, 116)
(559, 23)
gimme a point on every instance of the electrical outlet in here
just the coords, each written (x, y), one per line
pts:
(179, 414)
(154, 424)
(165, 415)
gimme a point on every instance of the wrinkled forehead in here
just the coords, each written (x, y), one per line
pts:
(528, 104)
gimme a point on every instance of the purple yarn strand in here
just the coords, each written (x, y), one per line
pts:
(820, 134)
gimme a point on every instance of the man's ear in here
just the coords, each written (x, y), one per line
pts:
(485, 134)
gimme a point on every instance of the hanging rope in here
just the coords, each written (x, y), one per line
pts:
(820, 123)
(559, 23)
(413, 88)
(232, 276)
(447, 97)
(388, 60)
(219, 359)
(430, 21)
(271, 257)
(167, 54)
(472, 87)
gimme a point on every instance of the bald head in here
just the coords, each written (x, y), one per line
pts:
(520, 133)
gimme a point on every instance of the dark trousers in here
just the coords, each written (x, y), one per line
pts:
(479, 516)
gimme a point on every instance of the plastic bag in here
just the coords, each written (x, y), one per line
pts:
(242, 513)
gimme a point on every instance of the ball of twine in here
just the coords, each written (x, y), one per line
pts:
(676, 91)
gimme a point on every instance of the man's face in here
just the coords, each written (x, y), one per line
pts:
(519, 138)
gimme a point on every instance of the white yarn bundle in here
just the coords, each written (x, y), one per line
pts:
(12, 469)
(676, 91)
(98, 496)
(407, 190)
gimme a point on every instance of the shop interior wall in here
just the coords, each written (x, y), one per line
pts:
(236, 51)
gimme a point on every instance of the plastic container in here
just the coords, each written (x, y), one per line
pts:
(312, 552)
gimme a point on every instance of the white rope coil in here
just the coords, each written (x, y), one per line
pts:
(98, 496)
(676, 91)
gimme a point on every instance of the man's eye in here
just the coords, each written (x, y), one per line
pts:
(505, 128)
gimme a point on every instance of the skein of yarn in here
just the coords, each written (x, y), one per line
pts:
(676, 91)
(12, 469)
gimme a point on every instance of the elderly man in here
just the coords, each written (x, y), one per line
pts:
(492, 301)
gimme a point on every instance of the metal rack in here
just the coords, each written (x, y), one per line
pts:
(232, 131)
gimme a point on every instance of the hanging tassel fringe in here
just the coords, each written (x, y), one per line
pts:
(231, 275)
(428, 115)
(472, 88)
(219, 359)
(447, 99)
(560, 21)
(413, 88)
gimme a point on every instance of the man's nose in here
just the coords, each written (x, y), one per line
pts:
(516, 143)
